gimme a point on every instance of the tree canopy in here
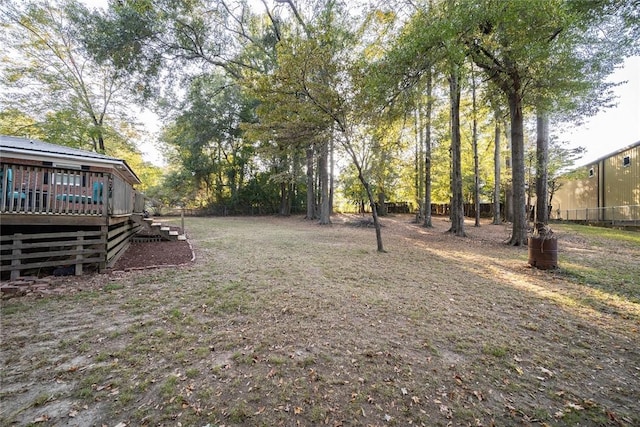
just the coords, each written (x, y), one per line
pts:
(260, 104)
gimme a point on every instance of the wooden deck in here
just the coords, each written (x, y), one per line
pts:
(54, 217)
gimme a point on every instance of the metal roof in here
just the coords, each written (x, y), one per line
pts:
(34, 147)
(48, 148)
(615, 153)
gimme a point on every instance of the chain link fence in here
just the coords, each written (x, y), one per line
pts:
(614, 215)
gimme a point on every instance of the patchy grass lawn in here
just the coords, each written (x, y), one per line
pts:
(284, 322)
(600, 258)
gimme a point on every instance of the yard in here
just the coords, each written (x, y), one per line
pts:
(281, 321)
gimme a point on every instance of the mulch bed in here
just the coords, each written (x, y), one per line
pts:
(139, 256)
(155, 254)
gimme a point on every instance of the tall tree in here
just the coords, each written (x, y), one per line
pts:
(536, 50)
(474, 139)
(318, 76)
(457, 199)
(54, 72)
(427, 43)
(498, 117)
(428, 144)
(542, 173)
(499, 46)
(497, 164)
(209, 140)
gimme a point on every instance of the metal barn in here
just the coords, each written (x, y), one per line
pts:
(606, 190)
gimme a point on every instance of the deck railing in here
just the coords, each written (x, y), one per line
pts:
(123, 203)
(49, 190)
(40, 190)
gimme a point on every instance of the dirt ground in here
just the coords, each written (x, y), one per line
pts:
(155, 254)
(280, 321)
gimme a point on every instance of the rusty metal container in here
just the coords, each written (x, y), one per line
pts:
(543, 252)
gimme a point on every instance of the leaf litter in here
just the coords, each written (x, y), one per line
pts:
(283, 322)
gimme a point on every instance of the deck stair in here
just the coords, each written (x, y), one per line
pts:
(154, 230)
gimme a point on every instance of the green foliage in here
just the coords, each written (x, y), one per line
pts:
(352, 188)
(15, 122)
(156, 43)
(55, 92)
(53, 79)
(247, 95)
(206, 141)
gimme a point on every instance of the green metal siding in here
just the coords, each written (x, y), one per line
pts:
(622, 183)
(577, 193)
(612, 192)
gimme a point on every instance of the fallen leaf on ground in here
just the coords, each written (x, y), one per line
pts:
(546, 371)
(574, 406)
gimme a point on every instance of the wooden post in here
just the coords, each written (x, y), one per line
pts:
(80, 256)
(182, 219)
(613, 214)
(104, 235)
(15, 255)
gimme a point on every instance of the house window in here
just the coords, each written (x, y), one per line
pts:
(66, 179)
(591, 172)
(626, 161)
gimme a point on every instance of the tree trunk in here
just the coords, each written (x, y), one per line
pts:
(457, 202)
(325, 212)
(296, 173)
(427, 152)
(418, 163)
(372, 202)
(331, 170)
(100, 143)
(311, 197)
(285, 206)
(529, 185)
(542, 163)
(496, 175)
(382, 206)
(476, 166)
(552, 188)
(374, 213)
(219, 186)
(520, 225)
